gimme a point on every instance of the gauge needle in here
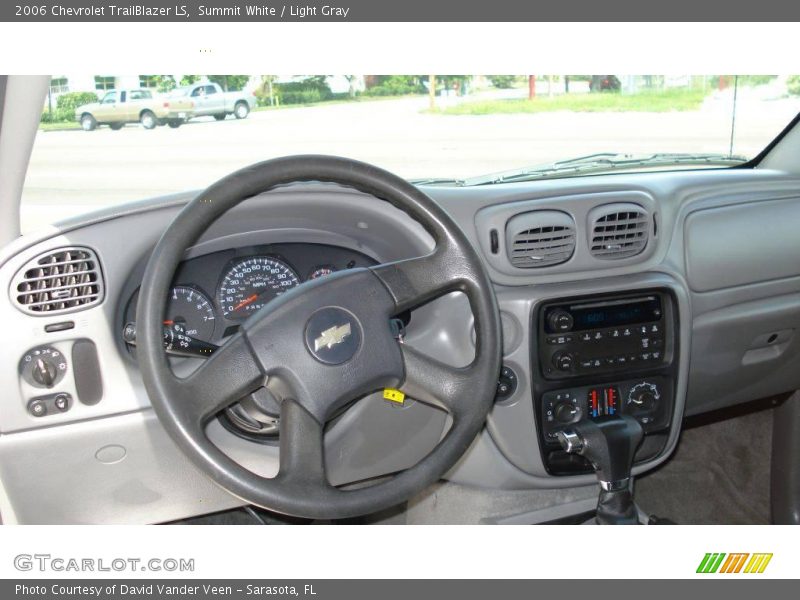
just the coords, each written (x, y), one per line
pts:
(169, 322)
(245, 302)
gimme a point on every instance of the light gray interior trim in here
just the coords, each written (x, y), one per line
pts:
(743, 244)
(22, 107)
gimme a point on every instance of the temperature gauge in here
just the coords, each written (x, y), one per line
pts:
(321, 271)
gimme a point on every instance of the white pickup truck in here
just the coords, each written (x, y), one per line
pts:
(209, 99)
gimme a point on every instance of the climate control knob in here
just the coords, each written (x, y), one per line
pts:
(559, 321)
(566, 412)
(643, 397)
(563, 361)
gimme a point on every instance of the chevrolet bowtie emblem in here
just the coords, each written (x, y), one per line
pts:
(331, 337)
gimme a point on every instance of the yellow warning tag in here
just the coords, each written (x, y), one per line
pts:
(393, 395)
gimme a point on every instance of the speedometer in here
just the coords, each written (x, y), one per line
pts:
(250, 283)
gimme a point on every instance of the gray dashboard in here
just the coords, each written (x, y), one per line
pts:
(720, 240)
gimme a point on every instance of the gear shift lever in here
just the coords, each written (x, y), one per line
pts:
(609, 443)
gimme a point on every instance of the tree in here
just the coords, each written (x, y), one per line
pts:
(351, 80)
(230, 82)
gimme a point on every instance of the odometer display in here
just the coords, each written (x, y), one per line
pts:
(250, 283)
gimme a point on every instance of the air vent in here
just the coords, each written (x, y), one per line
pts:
(618, 231)
(63, 280)
(540, 238)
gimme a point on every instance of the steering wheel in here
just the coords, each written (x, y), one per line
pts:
(322, 345)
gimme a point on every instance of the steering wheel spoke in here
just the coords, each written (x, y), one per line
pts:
(302, 451)
(228, 375)
(430, 380)
(415, 281)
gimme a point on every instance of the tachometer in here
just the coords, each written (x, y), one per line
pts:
(190, 312)
(250, 283)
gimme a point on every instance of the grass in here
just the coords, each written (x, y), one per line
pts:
(660, 101)
(359, 98)
(59, 126)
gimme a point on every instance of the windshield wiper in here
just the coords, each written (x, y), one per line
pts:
(436, 181)
(604, 162)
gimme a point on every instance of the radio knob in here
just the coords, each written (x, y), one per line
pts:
(563, 361)
(559, 320)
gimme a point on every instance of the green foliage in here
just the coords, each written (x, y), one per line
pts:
(503, 82)
(230, 83)
(189, 79)
(73, 100)
(165, 83)
(793, 85)
(754, 80)
(64, 109)
(308, 91)
(396, 85)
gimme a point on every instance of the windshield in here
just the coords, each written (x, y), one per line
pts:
(444, 129)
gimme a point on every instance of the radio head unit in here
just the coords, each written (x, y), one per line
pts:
(603, 335)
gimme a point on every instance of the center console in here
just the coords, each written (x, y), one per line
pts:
(600, 356)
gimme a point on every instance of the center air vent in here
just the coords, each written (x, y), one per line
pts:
(618, 231)
(63, 280)
(540, 238)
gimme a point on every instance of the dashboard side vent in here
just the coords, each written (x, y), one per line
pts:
(540, 238)
(59, 281)
(618, 231)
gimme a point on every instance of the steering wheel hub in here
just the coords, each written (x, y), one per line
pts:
(333, 335)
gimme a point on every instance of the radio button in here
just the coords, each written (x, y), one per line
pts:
(586, 336)
(626, 332)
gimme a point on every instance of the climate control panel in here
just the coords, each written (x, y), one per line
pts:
(649, 400)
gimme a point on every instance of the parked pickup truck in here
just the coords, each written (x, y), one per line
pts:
(118, 107)
(209, 99)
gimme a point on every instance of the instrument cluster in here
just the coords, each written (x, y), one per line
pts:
(212, 294)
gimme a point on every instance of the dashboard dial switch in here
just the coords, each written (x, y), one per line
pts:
(643, 397)
(43, 367)
(560, 321)
(563, 361)
(566, 412)
(43, 372)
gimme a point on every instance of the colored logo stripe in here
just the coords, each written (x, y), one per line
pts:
(758, 563)
(713, 562)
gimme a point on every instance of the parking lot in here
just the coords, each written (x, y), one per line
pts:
(74, 171)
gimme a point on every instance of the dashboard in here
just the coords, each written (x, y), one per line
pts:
(726, 331)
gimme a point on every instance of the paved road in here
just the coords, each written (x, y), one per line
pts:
(76, 170)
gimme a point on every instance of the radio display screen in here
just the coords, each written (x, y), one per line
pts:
(613, 314)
